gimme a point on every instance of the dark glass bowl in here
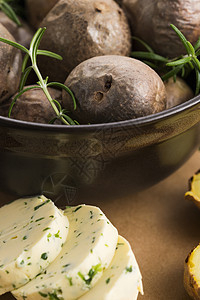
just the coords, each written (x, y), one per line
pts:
(72, 164)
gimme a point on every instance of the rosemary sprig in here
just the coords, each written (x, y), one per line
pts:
(182, 65)
(9, 11)
(43, 84)
(190, 60)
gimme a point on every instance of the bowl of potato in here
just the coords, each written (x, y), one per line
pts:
(99, 109)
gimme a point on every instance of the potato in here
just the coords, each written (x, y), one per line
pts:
(114, 88)
(150, 20)
(177, 92)
(38, 9)
(192, 273)
(194, 189)
(78, 30)
(22, 34)
(32, 106)
(10, 66)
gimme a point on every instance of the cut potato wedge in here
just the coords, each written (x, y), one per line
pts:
(194, 189)
(192, 273)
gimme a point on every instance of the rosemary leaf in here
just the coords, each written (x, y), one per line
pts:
(18, 95)
(197, 73)
(24, 78)
(182, 38)
(14, 44)
(197, 44)
(148, 55)
(171, 73)
(49, 53)
(7, 9)
(64, 87)
(178, 62)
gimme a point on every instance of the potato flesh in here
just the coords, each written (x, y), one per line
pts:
(194, 193)
(192, 274)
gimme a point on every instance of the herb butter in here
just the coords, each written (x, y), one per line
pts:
(25, 249)
(88, 250)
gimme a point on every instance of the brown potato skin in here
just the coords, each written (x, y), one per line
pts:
(32, 106)
(37, 10)
(150, 20)
(78, 30)
(114, 88)
(177, 92)
(22, 34)
(10, 66)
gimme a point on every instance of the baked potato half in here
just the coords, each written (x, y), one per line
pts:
(192, 273)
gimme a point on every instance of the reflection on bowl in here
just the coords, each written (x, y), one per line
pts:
(74, 163)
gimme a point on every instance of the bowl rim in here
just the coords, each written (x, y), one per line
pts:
(137, 121)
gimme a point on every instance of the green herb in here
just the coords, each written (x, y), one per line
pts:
(8, 10)
(79, 234)
(129, 269)
(57, 235)
(54, 296)
(47, 228)
(107, 280)
(70, 280)
(43, 84)
(43, 295)
(42, 204)
(67, 265)
(76, 209)
(25, 237)
(182, 65)
(39, 219)
(48, 236)
(44, 256)
(92, 272)
(190, 60)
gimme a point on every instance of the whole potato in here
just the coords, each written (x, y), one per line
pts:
(114, 88)
(177, 92)
(150, 20)
(37, 10)
(32, 106)
(78, 30)
(10, 66)
(22, 34)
